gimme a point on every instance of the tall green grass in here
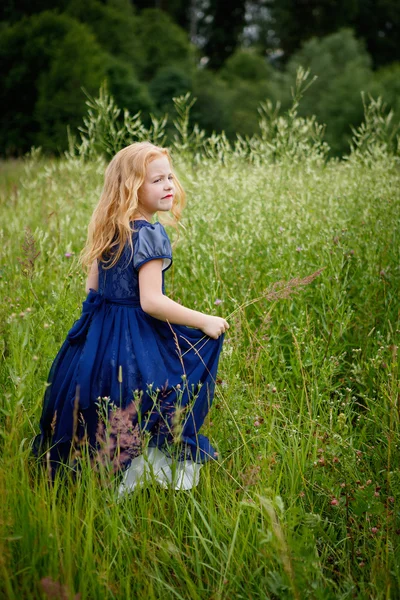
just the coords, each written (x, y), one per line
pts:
(304, 502)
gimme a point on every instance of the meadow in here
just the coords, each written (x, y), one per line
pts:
(304, 500)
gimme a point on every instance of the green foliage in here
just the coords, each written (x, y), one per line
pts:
(12, 11)
(211, 110)
(343, 68)
(114, 26)
(376, 23)
(221, 26)
(147, 60)
(279, 137)
(250, 80)
(162, 43)
(46, 59)
(126, 88)
(377, 136)
(77, 61)
(386, 84)
(106, 129)
(169, 82)
(289, 137)
(246, 65)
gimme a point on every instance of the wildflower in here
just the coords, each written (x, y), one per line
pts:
(218, 302)
(68, 254)
(302, 494)
(334, 502)
(30, 254)
(374, 530)
(256, 423)
(56, 590)
(46, 325)
(35, 357)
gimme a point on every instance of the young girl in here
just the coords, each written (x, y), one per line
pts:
(131, 340)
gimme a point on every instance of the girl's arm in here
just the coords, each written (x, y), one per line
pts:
(156, 304)
(92, 280)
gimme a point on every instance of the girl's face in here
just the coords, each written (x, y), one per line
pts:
(157, 191)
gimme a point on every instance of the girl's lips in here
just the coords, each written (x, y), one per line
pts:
(165, 197)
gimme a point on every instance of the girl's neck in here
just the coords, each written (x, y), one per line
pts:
(140, 216)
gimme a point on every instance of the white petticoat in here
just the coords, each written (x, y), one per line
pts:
(154, 464)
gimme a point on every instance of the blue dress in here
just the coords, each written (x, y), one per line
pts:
(117, 351)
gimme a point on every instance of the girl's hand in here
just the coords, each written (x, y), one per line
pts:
(214, 326)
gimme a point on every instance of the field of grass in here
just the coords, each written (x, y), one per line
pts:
(304, 502)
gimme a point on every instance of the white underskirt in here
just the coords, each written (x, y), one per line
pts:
(155, 465)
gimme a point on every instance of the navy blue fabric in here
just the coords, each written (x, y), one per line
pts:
(114, 333)
(152, 242)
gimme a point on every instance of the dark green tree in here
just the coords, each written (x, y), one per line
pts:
(126, 88)
(386, 83)
(114, 26)
(162, 43)
(46, 59)
(211, 110)
(178, 10)
(222, 27)
(250, 80)
(377, 22)
(343, 69)
(168, 83)
(15, 10)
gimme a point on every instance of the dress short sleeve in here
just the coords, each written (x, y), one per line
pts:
(152, 242)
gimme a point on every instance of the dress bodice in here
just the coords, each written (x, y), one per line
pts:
(121, 281)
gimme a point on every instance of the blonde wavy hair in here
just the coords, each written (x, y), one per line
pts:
(110, 226)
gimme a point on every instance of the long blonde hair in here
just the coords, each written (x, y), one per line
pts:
(110, 225)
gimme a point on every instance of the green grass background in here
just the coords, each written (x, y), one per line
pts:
(304, 502)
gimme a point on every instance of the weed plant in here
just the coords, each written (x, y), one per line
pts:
(304, 500)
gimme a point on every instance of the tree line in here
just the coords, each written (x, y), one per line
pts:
(150, 52)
